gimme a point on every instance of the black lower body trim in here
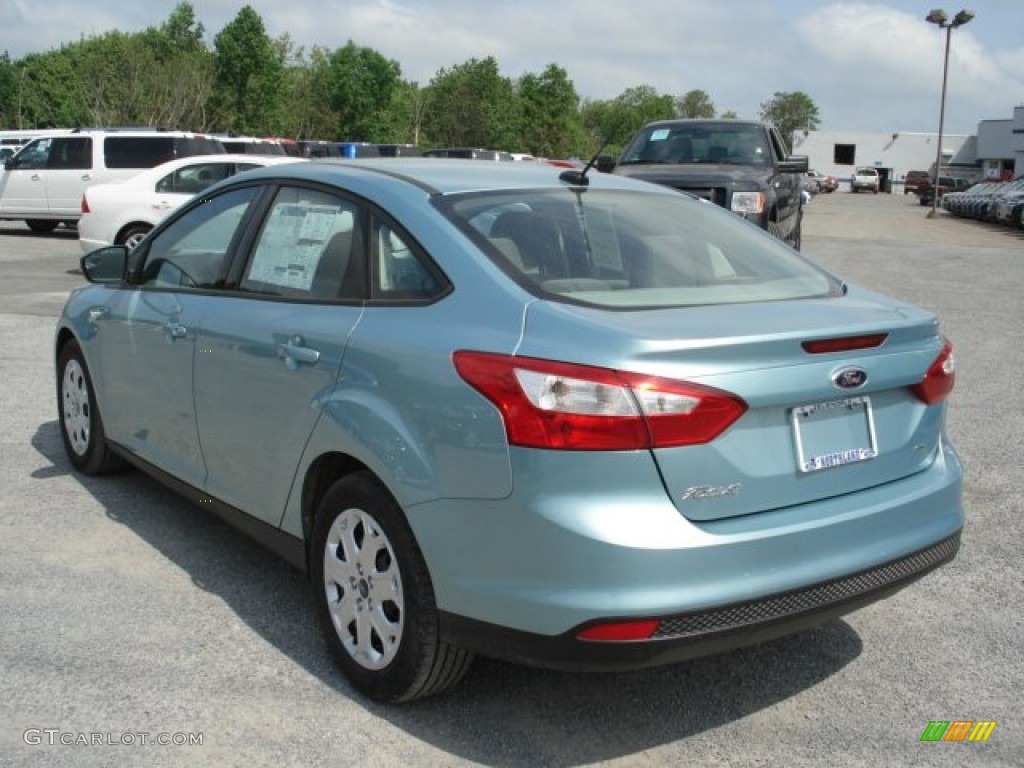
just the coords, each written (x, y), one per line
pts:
(277, 541)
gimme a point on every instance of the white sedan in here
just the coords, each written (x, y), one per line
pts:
(122, 213)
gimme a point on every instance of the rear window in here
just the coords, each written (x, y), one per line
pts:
(635, 250)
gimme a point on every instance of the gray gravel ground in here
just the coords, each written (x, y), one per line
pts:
(126, 611)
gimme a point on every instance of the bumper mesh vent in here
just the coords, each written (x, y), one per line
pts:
(810, 599)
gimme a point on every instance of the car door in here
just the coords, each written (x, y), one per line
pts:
(69, 170)
(786, 186)
(268, 356)
(147, 338)
(23, 183)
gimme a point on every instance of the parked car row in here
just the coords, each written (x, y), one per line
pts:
(1000, 202)
(947, 184)
(46, 173)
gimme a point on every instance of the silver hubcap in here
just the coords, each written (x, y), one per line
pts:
(77, 409)
(364, 589)
(134, 239)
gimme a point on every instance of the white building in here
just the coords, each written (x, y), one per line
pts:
(838, 153)
(997, 151)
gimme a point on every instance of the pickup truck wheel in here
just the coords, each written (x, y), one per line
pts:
(794, 239)
(42, 226)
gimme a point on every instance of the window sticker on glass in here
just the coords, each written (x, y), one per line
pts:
(659, 135)
(290, 246)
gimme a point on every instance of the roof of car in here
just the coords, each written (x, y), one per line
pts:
(444, 176)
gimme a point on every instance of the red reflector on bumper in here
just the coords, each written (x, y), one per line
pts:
(620, 630)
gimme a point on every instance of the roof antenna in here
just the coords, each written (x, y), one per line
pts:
(579, 178)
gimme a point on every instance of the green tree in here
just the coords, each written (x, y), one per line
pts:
(790, 112)
(472, 105)
(362, 85)
(551, 123)
(729, 114)
(612, 123)
(8, 91)
(308, 113)
(695, 103)
(248, 76)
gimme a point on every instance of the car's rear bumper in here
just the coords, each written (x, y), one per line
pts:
(567, 550)
(689, 635)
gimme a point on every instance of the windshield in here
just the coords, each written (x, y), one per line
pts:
(683, 144)
(635, 250)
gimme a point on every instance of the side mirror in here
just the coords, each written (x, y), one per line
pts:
(794, 164)
(9, 163)
(107, 265)
(605, 163)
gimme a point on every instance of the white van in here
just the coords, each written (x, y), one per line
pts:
(43, 183)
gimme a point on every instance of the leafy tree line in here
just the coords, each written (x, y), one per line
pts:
(249, 83)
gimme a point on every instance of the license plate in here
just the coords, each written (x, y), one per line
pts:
(834, 433)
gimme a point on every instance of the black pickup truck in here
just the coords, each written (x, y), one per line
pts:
(741, 165)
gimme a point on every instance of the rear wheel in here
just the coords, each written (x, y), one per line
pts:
(132, 236)
(81, 425)
(374, 597)
(42, 226)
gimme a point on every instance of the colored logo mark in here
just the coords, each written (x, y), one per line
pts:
(958, 730)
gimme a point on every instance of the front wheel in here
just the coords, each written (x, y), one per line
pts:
(374, 597)
(85, 442)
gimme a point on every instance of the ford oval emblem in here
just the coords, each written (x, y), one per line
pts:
(850, 378)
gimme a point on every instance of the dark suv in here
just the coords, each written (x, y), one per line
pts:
(740, 165)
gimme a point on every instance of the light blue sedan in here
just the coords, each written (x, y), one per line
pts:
(547, 415)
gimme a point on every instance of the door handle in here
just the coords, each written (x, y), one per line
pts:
(174, 331)
(86, 176)
(34, 177)
(295, 353)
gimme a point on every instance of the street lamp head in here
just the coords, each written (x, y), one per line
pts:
(937, 16)
(962, 18)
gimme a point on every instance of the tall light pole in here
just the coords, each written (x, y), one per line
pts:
(940, 18)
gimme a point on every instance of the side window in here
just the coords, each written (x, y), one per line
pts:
(193, 179)
(34, 156)
(71, 154)
(400, 273)
(309, 247)
(193, 252)
(137, 151)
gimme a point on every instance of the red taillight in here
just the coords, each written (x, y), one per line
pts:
(548, 404)
(939, 380)
(824, 346)
(85, 205)
(620, 631)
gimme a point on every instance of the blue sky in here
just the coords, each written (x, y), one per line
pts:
(868, 66)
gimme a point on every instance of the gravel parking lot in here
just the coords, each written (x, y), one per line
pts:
(131, 616)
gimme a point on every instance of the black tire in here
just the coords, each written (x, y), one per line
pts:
(131, 235)
(42, 226)
(797, 234)
(376, 602)
(81, 427)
